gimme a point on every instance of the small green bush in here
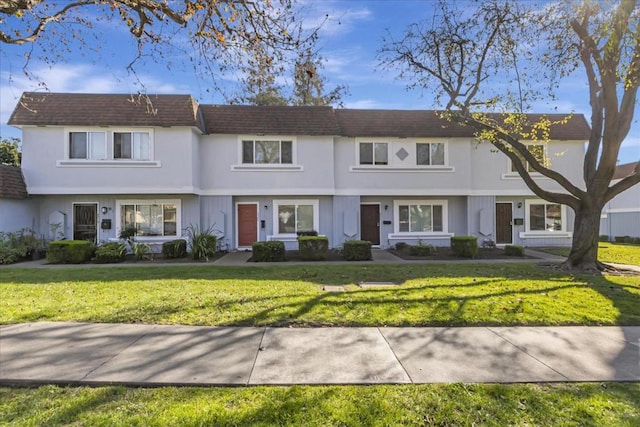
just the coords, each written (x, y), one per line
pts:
(175, 248)
(513, 250)
(623, 239)
(636, 241)
(313, 248)
(268, 251)
(307, 233)
(603, 238)
(401, 246)
(9, 255)
(111, 252)
(69, 251)
(202, 242)
(421, 250)
(357, 250)
(464, 246)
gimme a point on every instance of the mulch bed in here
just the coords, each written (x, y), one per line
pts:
(445, 254)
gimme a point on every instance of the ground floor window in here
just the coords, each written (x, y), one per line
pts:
(293, 216)
(149, 218)
(420, 216)
(544, 216)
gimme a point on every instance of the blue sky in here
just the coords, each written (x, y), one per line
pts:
(348, 41)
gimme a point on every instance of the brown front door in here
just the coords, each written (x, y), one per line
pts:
(85, 221)
(370, 223)
(247, 224)
(504, 219)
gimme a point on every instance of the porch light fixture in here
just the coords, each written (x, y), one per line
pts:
(266, 207)
(519, 205)
(104, 210)
(386, 207)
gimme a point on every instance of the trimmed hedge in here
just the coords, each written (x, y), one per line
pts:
(313, 248)
(69, 251)
(268, 251)
(513, 250)
(401, 246)
(603, 238)
(111, 252)
(421, 250)
(175, 248)
(357, 250)
(307, 233)
(464, 246)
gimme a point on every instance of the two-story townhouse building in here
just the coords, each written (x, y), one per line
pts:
(98, 164)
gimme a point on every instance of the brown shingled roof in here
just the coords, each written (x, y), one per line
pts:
(624, 170)
(87, 109)
(12, 184)
(271, 120)
(427, 123)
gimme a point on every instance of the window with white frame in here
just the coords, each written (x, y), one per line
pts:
(373, 153)
(150, 218)
(538, 152)
(131, 145)
(88, 145)
(271, 151)
(421, 216)
(545, 216)
(430, 154)
(293, 216)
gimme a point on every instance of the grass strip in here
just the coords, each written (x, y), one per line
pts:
(429, 295)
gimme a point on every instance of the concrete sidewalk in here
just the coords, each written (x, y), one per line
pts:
(154, 355)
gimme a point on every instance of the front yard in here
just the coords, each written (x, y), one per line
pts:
(280, 295)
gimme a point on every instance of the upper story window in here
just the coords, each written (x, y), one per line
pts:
(374, 153)
(428, 154)
(267, 152)
(131, 145)
(88, 145)
(538, 151)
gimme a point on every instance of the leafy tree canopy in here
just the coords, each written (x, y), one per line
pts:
(10, 151)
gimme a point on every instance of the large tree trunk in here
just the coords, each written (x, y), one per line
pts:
(584, 249)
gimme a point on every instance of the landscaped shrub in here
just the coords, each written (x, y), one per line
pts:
(357, 250)
(69, 251)
(603, 238)
(8, 254)
(202, 242)
(636, 241)
(421, 250)
(268, 251)
(401, 246)
(464, 246)
(513, 250)
(307, 233)
(313, 248)
(175, 248)
(110, 252)
(623, 239)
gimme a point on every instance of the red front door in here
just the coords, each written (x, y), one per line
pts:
(247, 224)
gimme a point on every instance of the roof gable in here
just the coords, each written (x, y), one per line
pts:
(85, 109)
(624, 170)
(12, 184)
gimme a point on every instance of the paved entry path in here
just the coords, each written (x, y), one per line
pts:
(89, 353)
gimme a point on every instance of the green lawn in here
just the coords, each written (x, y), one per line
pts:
(608, 252)
(436, 404)
(430, 294)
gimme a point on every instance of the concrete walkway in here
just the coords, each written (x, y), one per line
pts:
(154, 355)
